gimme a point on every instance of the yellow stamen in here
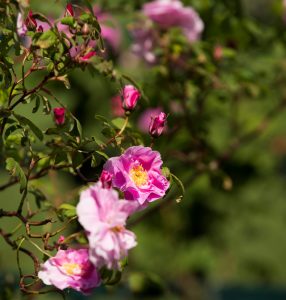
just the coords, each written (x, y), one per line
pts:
(138, 175)
(71, 268)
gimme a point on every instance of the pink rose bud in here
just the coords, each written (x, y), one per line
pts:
(61, 239)
(59, 114)
(40, 29)
(130, 97)
(69, 10)
(87, 56)
(30, 22)
(106, 179)
(157, 125)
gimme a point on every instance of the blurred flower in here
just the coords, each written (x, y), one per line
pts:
(218, 52)
(70, 269)
(110, 31)
(59, 114)
(145, 118)
(21, 26)
(130, 97)
(144, 42)
(172, 13)
(106, 179)
(30, 22)
(116, 106)
(137, 173)
(103, 215)
(157, 125)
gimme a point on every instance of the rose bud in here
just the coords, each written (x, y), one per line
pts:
(130, 97)
(86, 57)
(59, 114)
(106, 179)
(157, 125)
(30, 22)
(69, 10)
(40, 29)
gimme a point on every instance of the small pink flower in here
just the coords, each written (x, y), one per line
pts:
(116, 106)
(106, 179)
(69, 10)
(70, 269)
(103, 215)
(30, 22)
(59, 114)
(130, 97)
(86, 57)
(157, 125)
(137, 173)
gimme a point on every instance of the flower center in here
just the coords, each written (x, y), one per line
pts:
(138, 175)
(71, 268)
(117, 228)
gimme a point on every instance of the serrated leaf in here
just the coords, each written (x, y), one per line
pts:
(37, 104)
(15, 170)
(24, 121)
(69, 20)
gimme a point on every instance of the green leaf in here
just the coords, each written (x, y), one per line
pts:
(37, 104)
(70, 21)
(102, 154)
(15, 170)
(67, 210)
(118, 122)
(24, 121)
(47, 39)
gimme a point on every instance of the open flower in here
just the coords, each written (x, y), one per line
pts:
(70, 269)
(137, 172)
(172, 13)
(103, 215)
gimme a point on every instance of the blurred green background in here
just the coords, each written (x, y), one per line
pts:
(226, 238)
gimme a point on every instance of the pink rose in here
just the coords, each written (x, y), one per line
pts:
(82, 54)
(103, 215)
(59, 114)
(137, 173)
(130, 97)
(172, 13)
(70, 269)
(157, 125)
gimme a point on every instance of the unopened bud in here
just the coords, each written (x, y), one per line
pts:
(157, 125)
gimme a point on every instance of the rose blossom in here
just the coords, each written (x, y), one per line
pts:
(70, 269)
(130, 97)
(59, 114)
(171, 13)
(157, 125)
(137, 172)
(103, 215)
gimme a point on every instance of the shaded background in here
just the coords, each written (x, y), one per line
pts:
(226, 238)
